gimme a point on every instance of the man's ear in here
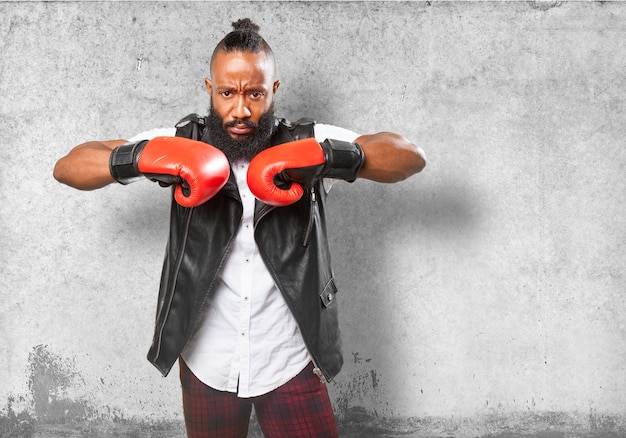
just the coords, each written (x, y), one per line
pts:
(275, 87)
(209, 85)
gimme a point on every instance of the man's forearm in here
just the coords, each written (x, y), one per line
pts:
(389, 157)
(86, 167)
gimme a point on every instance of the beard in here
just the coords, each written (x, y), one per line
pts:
(248, 147)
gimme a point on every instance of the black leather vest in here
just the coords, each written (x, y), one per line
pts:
(292, 241)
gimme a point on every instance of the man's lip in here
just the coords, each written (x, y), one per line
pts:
(240, 130)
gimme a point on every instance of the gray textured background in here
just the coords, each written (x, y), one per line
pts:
(484, 297)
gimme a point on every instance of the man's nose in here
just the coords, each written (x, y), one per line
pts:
(240, 109)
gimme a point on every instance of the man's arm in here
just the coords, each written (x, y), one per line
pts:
(389, 157)
(277, 176)
(198, 169)
(86, 167)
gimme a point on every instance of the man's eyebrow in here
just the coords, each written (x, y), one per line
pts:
(259, 85)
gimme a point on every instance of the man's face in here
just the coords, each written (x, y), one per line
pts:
(242, 88)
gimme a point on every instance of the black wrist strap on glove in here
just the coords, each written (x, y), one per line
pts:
(343, 159)
(123, 162)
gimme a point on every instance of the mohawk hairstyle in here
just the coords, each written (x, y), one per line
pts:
(246, 38)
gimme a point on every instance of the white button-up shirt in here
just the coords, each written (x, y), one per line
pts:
(248, 341)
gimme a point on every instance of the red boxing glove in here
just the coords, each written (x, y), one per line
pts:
(276, 176)
(269, 164)
(198, 169)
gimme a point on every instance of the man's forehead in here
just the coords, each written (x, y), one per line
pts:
(240, 63)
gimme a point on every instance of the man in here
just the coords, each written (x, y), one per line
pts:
(246, 302)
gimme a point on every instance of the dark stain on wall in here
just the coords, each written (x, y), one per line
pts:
(15, 425)
(51, 377)
(51, 410)
(543, 5)
(358, 423)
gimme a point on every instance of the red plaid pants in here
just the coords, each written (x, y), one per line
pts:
(299, 408)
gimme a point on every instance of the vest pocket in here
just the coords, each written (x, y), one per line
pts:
(328, 293)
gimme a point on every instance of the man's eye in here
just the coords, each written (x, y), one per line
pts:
(226, 93)
(256, 95)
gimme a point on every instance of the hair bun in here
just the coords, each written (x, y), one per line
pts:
(246, 25)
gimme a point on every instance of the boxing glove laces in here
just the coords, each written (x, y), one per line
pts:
(277, 176)
(198, 169)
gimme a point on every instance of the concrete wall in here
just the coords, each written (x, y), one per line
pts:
(484, 297)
